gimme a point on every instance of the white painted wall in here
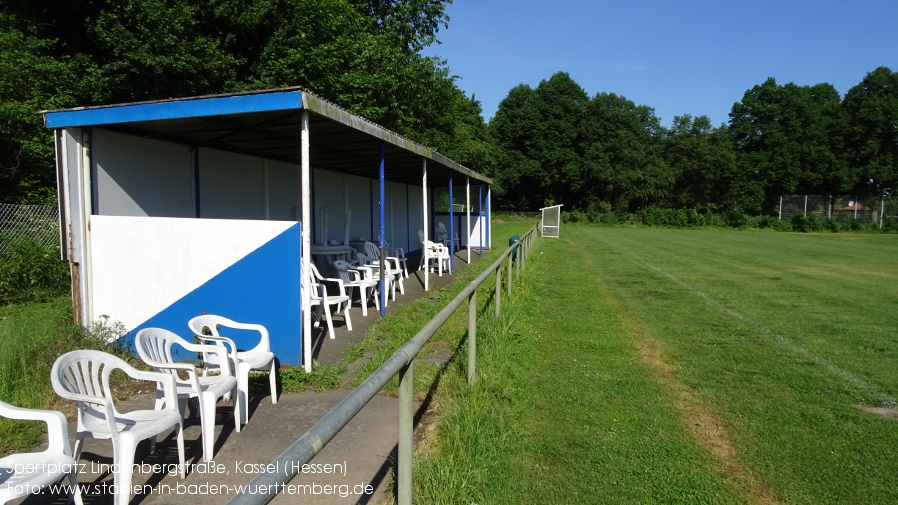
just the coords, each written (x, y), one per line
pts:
(231, 186)
(141, 177)
(141, 265)
(284, 191)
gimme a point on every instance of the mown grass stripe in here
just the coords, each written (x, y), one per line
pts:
(855, 381)
(616, 436)
(793, 422)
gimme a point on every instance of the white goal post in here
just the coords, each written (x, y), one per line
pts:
(550, 222)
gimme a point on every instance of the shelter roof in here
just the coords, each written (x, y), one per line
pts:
(267, 124)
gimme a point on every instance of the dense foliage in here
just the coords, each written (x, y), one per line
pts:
(605, 153)
(31, 272)
(553, 143)
(363, 55)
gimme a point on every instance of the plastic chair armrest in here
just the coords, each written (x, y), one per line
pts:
(57, 426)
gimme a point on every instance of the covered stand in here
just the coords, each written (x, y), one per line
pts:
(181, 207)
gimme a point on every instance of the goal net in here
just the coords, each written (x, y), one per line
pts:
(551, 221)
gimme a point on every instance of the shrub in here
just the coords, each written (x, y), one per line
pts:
(736, 217)
(780, 225)
(890, 225)
(31, 273)
(574, 216)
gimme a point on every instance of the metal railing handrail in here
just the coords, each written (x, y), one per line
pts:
(308, 445)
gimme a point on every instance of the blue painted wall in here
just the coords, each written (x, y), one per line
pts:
(263, 287)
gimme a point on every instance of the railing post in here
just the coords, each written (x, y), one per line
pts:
(472, 336)
(406, 432)
(517, 262)
(509, 275)
(498, 289)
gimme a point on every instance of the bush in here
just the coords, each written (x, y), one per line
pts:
(574, 216)
(31, 273)
(832, 225)
(807, 223)
(737, 218)
(780, 225)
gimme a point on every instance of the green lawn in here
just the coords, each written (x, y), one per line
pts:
(631, 365)
(682, 366)
(29, 337)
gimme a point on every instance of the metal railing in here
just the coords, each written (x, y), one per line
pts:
(402, 363)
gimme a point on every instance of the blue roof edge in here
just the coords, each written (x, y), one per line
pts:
(174, 109)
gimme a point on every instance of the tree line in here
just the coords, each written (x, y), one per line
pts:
(548, 144)
(605, 153)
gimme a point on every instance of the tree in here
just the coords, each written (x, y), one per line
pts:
(622, 154)
(31, 81)
(414, 23)
(360, 54)
(560, 104)
(512, 128)
(872, 140)
(704, 164)
(539, 133)
(788, 139)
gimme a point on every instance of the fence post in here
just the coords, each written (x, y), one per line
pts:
(472, 336)
(882, 210)
(781, 208)
(406, 432)
(509, 275)
(498, 289)
(805, 205)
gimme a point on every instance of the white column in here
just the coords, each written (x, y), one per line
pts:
(426, 236)
(305, 260)
(468, 216)
(489, 217)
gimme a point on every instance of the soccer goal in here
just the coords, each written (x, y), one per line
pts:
(551, 221)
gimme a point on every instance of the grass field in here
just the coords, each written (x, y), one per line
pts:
(682, 366)
(633, 365)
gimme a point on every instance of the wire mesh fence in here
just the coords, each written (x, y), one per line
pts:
(842, 208)
(39, 223)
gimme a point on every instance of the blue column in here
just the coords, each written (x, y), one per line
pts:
(451, 228)
(383, 219)
(480, 214)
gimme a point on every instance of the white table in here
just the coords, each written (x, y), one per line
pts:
(331, 253)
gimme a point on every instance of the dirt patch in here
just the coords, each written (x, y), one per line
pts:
(698, 418)
(889, 412)
(427, 429)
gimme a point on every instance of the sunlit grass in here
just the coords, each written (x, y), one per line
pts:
(594, 385)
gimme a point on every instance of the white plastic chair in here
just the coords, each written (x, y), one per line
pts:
(433, 251)
(352, 277)
(154, 345)
(320, 297)
(24, 473)
(372, 271)
(209, 328)
(443, 236)
(391, 263)
(399, 254)
(83, 376)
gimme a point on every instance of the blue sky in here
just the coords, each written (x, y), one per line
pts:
(679, 57)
